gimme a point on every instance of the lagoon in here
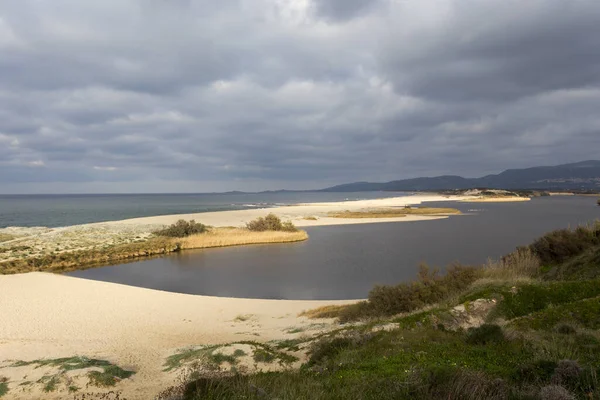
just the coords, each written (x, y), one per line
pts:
(345, 262)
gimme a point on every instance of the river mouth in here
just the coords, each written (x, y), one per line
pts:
(345, 262)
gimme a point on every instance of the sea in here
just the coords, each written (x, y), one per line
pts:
(74, 209)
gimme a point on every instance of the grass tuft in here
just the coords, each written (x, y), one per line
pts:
(3, 386)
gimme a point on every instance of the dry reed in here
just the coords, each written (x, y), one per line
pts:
(394, 212)
(224, 237)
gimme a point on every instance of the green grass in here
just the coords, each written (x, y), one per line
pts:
(109, 375)
(50, 382)
(584, 313)
(65, 364)
(421, 363)
(581, 267)
(3, 386)
(531, 298)
(177, 360)
(210, 356)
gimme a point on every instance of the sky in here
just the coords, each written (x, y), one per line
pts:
(198, 96)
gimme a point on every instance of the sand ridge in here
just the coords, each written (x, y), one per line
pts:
(50, 316)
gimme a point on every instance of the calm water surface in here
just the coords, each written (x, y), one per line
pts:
(344, 262)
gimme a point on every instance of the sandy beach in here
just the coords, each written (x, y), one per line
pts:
(51, 316)
(298, 213)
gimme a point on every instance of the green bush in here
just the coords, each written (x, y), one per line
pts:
(565, 329)
(560, 245)
(405, 297)
(486, 333)
(182, 228)
(270, 223)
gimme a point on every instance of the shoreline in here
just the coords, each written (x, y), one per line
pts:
(48, 316)
(43, 249)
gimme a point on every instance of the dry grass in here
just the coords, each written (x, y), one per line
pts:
(522, 264)
(224, 237)
(322, 312)
(82, 259)
(6, 237)
(394, 212)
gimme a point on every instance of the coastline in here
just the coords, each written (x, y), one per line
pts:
(297, 213)
(46, 249)
(47, 316)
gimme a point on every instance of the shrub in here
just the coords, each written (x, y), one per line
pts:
(327, 348)
(560, 245)
(565, 329)
(429, 289)
(270, 223)
(486, 333)
(555, 392)
(521, 263)
(567, 373)
(182, 228)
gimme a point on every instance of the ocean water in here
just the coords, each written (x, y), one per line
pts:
(345, 262)
(63, 210)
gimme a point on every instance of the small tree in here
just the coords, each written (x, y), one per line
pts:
(270, 223)
(182, 228)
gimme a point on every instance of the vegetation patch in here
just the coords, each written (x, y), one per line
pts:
(530, 298)
(243, 317)
(394, 212)
(270, 223)
(5, 237)
(156, 246)
(331, 311)
(109, 376)
(484, 334)
(182, 228)
(431, 288)
(211, 357)
(581, 267)
(3, 386)
(585, 313)
(560, 245)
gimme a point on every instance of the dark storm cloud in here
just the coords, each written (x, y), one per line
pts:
(193, 95)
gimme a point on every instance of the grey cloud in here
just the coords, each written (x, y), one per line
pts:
(499, 51)
(197, 95)
(340, 10)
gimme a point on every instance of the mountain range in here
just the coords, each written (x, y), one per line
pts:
(580, 176)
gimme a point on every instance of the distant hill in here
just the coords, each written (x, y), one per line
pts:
(583, 175)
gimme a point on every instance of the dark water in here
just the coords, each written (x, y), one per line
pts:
(344, 262)
(64, 210)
